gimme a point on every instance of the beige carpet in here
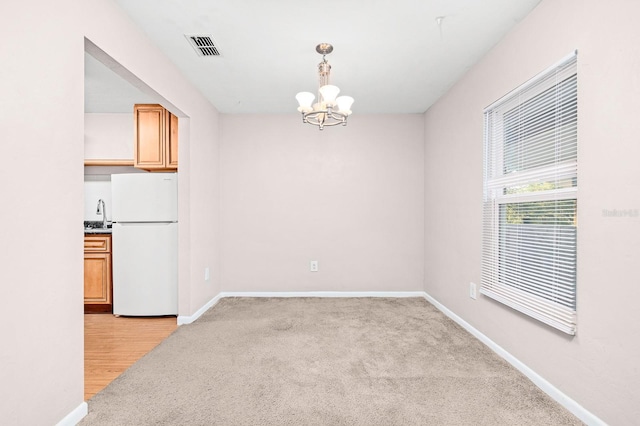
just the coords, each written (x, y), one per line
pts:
(312, 361)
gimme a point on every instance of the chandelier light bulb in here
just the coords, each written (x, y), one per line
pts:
(329, 94)
(344, 104)
(305, 99)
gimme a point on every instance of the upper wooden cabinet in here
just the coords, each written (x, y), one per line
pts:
(172, 145)
(156, 138)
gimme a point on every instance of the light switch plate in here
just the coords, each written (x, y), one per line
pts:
(313, 266)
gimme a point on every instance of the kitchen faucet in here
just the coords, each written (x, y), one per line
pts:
(103, 211)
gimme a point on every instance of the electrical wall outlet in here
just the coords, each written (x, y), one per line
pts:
(472, 290)
(207, 274)
(313, 266)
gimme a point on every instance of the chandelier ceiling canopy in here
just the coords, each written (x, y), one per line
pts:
(330, 109)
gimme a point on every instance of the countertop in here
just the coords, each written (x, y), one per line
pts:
(92, 227)
(97, 231)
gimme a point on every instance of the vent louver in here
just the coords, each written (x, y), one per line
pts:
(203, 45)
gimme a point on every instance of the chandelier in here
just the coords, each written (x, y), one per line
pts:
(331, 109)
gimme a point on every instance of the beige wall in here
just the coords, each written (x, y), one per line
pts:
(41, 283)
(599, 366)
(42, 114)
(108, 136)
(350, 197)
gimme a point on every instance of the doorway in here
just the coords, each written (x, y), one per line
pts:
(112, 344)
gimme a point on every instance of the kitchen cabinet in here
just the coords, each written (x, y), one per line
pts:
(97, 273)
(156, 138)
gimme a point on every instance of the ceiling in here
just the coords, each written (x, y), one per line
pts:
(391, 56)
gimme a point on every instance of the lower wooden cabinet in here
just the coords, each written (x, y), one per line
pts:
(98, 290)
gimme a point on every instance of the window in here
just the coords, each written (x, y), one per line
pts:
(530, 197)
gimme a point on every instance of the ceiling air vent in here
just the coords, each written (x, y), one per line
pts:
(203, 45)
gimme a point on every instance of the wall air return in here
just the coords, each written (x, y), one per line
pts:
(204, 45)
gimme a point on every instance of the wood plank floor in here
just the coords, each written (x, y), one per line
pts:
(112, 344)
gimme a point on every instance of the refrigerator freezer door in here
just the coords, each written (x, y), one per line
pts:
(144, 197)
(145, 269)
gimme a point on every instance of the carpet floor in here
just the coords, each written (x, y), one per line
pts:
(323, 361)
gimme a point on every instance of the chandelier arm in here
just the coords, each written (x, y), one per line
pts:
(337, 115)
(325, 124)
(333, 123)
(331, 114)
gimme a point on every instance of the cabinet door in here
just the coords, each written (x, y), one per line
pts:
(150, 134)
(172, 142)
(97, 278)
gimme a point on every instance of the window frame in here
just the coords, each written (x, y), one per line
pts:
(494, 197)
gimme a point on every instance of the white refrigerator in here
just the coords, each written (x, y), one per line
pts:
(145, 244)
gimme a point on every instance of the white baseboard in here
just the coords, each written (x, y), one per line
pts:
(563, 399)
(324, 294)
(74, 417)
(182, 319)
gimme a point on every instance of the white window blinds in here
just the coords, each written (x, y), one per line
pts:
(530, 198)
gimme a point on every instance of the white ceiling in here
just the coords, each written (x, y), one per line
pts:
(391, 56)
